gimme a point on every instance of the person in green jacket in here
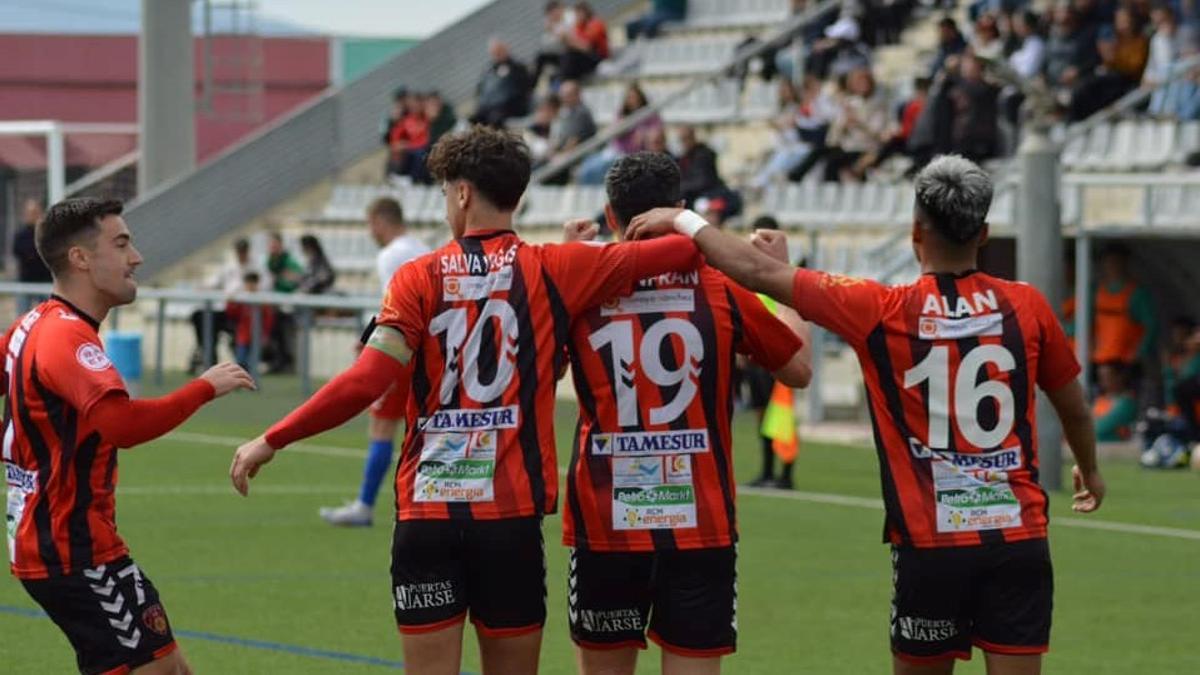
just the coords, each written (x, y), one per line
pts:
(286, 273)
(1115, 409)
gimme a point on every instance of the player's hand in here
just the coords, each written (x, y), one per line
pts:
(771, 242)
(226, 377)
(580, 229)
(247, 461)
(652, 223)
(1089, 490)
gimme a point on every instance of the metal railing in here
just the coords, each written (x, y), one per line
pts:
(305, 306)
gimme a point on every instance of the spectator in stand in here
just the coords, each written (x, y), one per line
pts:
(700, 183)
(950, 43)
(407, 136)
(661, 12)
(986, 42)
(841, 45)
(859, 130)
(586, 44)
(909, 113)
(241, 318)
(1115, 409)
(318, 274)
(229, 280)
(976, 131)
(800, 130)
(31, 269)
(285, 273)
(1164, 51)
(504, 89)
(656, 141)
(442, 121)
(594, 168)
(1030, 55)
(1070, 52)
(538, 133)
(550, 44)
(1123, 54)
(573, 126)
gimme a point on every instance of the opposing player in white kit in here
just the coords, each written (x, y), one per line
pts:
(385, 219)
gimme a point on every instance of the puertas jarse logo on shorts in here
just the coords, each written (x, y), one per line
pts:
(424, 596)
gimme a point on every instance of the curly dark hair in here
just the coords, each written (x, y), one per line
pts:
(68, 223)
(639, 182)
(495, 161)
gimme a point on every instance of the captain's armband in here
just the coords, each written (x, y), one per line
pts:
(390, 341)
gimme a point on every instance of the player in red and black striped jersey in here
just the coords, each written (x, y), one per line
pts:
(951, 363)
(478, 328)
(66, 412)
(650, 490)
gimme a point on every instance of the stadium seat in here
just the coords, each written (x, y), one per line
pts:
(761, 100)
(1187, 141)
(686, 55)
(731, 13)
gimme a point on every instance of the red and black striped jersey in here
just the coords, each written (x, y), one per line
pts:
(950, 364)
(651, 467)
(61, 474)
(487, 317)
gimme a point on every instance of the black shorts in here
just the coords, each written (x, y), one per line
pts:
(111, 615)
(686, 600)
(494, 569)
(759, 384)
(997, 597)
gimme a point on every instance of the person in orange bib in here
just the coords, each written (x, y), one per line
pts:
(1124, 329)
(1115, 409)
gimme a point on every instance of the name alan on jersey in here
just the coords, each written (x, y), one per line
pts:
(978, 303)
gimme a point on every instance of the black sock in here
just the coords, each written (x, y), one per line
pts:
(768, 454)
(785, 474)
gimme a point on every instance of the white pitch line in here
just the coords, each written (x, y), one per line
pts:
(794, 495)
(143, 490)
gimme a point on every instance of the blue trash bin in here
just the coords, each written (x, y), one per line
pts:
(125, 350)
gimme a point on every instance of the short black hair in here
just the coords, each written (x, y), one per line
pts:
(399, 93)
(495, 161)
(67, 223)
(1116, 250)
(241, 245)
(765, 222)
(251, 277)
(639, 182)
(387, 208)
(1183, 321)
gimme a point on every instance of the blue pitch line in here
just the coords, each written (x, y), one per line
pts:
(244, 642)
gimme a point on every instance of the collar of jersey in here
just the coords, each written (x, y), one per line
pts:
(488, 234)
(957, 275)
(82, 314)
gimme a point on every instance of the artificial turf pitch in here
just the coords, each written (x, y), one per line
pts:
(262, 585)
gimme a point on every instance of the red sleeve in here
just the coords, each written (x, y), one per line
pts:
(848, 306)
(404, 303)
(1057, 364)
(341, 398)
(769, 341)
(156, 416)
(589, 273)
(74, 365)
(4, 363)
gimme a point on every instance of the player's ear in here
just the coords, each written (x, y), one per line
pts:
(464, 190)
(918, 235)
(982, 239)
(77, 258)
(610, 218)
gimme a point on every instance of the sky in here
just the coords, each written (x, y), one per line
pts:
(376, 18)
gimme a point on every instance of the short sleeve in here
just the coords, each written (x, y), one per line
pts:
(769, 341)
(404, 302)
(1057, 364)
(849, 306)
(587, 273)
(71, 362)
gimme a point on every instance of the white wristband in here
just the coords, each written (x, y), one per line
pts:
(688, 222)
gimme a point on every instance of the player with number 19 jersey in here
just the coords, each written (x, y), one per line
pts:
(951, 364)
(651, 468)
